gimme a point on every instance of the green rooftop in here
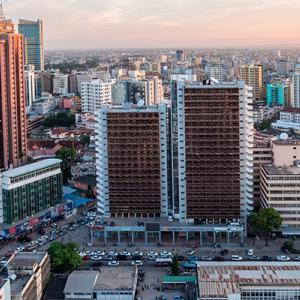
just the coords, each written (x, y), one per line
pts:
(179, 279)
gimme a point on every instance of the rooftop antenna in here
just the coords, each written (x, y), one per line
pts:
(2, 16)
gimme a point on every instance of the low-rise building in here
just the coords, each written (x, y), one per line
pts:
(30, 189)
(29, 273)
(285, 152)
(280, 189)
(110, 283)
(248, 280)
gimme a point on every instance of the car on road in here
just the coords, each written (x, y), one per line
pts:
(137, 253)
(206, 258)
(125, 253)
(137, 263)
(112, 253)
(165, 254)
(53, 225)
(254, 257)
(20, 249)
(282, 258)
(152, 253)
(236, 258)
(96, 257)
(297, 258)
(99, 252)
(250, 252)
(113, 263)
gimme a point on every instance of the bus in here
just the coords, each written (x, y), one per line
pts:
(162, 262)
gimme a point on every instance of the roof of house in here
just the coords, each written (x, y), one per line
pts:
(81, 282)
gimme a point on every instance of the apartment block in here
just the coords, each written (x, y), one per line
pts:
(253, 76)
(131, 161)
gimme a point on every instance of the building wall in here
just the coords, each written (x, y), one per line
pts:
(285, 153)
(213, 150)
(13, 138)
(132, 161)
(253, 76)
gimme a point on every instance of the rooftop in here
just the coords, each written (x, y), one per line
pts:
(272, 170)
(81, 282)
(25, 259)
(119, 278)
(220, 279)
(31, 167)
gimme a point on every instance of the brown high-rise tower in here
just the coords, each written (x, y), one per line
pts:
(12, 92)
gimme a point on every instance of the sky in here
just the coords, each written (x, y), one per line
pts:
(87, 24)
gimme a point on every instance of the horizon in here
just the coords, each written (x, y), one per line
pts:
(124, 24)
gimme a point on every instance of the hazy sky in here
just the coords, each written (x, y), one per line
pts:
(162, 23)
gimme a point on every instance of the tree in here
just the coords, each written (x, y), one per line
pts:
(62, 118)
(289, 245)
(265, 124)
(67, 155)
(265, 221)
(175, 266)
(64, 258)
(85, 139)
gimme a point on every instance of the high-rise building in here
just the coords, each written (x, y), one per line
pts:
(94, 94)
(131, 161)
(215, 141)
(216, 71)
(253, 76)
(30, 79)
(61, 84)
(34, 42)
(180, 55)
(296, 90)
(275, 94)
(13, 137)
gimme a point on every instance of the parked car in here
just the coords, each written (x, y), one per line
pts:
(250, 252)
(113, 263)
(236, 258)
(206, 258)
(283, 258)
(137, 263)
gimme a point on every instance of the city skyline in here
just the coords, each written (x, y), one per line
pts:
(142, 24)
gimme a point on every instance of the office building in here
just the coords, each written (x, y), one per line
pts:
(285, 152)
(280, 189)
(31, 273)
(111, 283)
(13, 137)
(291, 115)
(216, 71)
(30, 86)
(253, 76)
(30, 189)
(180, 55)
(262, 154)
(34, 42)
(61, 84)
(248, 280)
(275, 94)
(295, 90)
(282, 67)
(131, 161)
(94, 94)
(215, 141)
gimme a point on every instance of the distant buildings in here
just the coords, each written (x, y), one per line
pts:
(94, 94)
(61, 84)
(215, 141)
(216, 71)
(30, 87)
(275, 94)
(131, 162)
(13, 135)
(296, 90)
(34, 42)
(30, 189)
(180, 55)
(253, 76)
(248, 280)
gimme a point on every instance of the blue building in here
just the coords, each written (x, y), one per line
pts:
(275, 94)
(34, 42)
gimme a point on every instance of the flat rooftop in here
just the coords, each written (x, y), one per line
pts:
(272, 170)
(220, 279)
(31, 167)
(116, 279)
(81, 282)
(26, 259)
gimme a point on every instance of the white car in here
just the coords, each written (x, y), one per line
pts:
(99, 252)
(89, 253)
(137, 253)
(152, 253)
(95, 257)
(113, 263)
(250, 252)
(283, 258)
(206, 258)
(236, 258)
(137, 263)
(125, 253)
(165, 254)
(20, 249)
(112, 253)
(82, 254)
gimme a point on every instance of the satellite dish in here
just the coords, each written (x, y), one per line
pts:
(283, 136)
(140, 103)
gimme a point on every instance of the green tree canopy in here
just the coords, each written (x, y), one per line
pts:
(67, 155)
(64, 258)
(175, 266)
(64, 119)
(265, 221)
(289, 245)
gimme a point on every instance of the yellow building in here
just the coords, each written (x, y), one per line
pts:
(253, 76)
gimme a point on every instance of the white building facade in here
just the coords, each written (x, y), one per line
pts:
(296, 90)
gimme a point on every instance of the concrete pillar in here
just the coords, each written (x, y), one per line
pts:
(119, 237)
(173, 237)
(201, 239)
(132, 236)
(105, 237)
